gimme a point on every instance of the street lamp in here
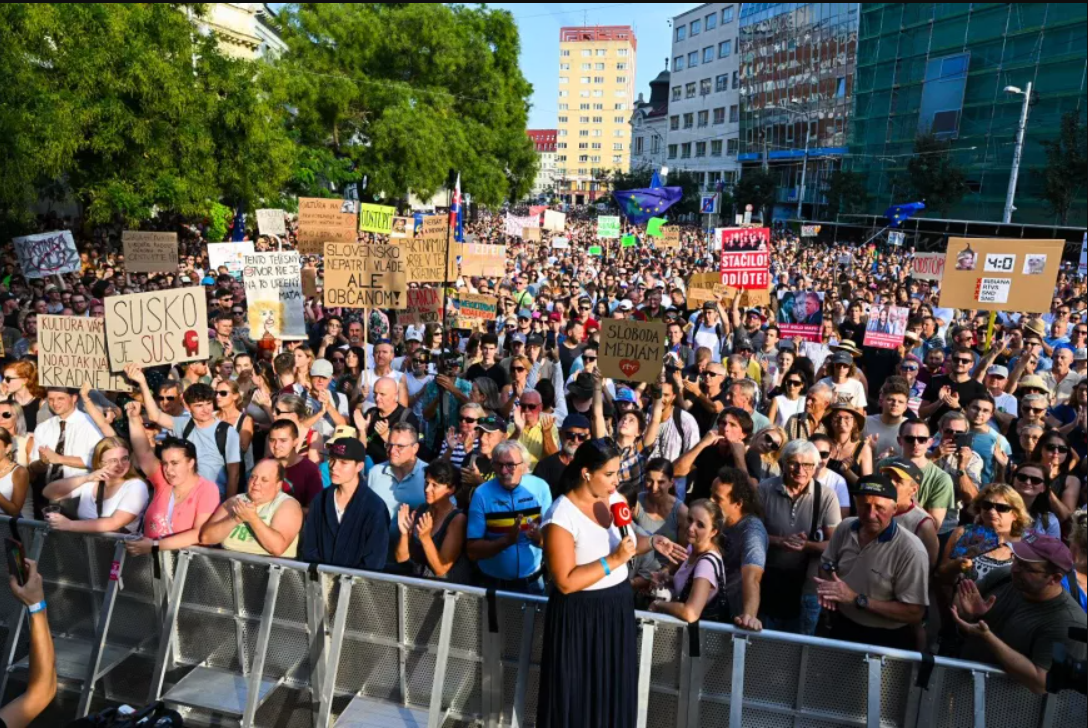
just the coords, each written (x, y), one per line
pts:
(1019, 153)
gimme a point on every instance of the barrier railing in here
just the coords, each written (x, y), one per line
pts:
(268, 642)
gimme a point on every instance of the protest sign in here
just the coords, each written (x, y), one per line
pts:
(231, 256)
(629, 241)
(470, 309)
(309, 282)
(365, 276)
(516, 227)
(896, 238)
(376, 219)
(274, 293)
(157, 328)
(928, 266)
(435, 226)
(608, 228)
(632, 351)
(655, 227)
(1001, 275)
(595, 250)
(801, 313)
(746, 257)
(561, 244)
(887, 327)
(425, 259)
(531, 235)
(811, 231)
(72, 351)
(555, 222)
(477, 259)
(47, 254)
(150, 252)
(323, 221)
(670, 239)
(272, 222)
(403, 227)
(424, 307)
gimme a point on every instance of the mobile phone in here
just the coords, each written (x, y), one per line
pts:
(835, 466)
(16, 560)
(965, 440)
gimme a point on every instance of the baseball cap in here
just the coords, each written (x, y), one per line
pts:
(343, 432)
(626, 395)
(626, 305)
(535, 340)
(1080, 355)
(576, 421)
(1036, 549)
(878, 485)
(321, 368)
(525, 314)
(754, 312)
(710, 306)
(842, 358)
(903, 467)
(1034, 382)
(554, 316)
(347, 449)
(518, 339)
(492, 423)
(998, 371)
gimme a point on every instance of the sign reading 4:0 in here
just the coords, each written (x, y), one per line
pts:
(1000, 263)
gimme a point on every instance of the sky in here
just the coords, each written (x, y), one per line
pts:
(539, 24)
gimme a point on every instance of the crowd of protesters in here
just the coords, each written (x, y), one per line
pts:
(925, 498)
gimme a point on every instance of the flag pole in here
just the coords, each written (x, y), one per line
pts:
(446, 333)
(881, 232)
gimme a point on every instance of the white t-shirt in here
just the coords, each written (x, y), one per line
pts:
(591, 542)
(132, 498)
(837, 483)
(850, 392)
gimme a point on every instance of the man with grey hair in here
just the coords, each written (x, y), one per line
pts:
(743, 394)
(504, 518)
(962, 464)
(817, 404)
(801, 516)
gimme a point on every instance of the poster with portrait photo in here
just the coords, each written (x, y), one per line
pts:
(801, 313)
(887, 327)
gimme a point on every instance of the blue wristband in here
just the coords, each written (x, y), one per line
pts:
(607, 571)
(35, 608)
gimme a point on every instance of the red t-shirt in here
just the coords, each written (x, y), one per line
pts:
(158, 522)
(303, 481)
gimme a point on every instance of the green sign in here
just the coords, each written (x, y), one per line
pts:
(596, 250)
(654, 227)
(630, 241)
(608, 228)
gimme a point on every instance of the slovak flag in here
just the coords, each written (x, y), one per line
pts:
(456, 217)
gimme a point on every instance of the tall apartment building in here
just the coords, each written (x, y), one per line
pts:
(704, 101)
(544, 142)
(596, 97)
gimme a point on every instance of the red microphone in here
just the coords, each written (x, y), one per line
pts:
(621, 514)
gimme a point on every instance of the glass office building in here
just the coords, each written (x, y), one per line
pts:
(797, 67)
(942, 68)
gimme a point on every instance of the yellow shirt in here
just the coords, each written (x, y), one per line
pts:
(533, 440)
(243, 540)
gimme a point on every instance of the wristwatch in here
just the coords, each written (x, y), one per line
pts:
(960, 473)
(862, 602)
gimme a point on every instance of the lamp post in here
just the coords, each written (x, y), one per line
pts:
(1019, 153)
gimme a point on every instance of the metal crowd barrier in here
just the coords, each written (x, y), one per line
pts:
(238, 640)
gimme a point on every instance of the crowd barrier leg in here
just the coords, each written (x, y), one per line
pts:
(491, 675)
(736, 690)
(105, 615)
(645, 671)
(436, 715)
(239, 632)
(169, 623)
(18, 616)
(333, 654)
(1050, 707)
(525, 655)
(317, 626)
(691, 680)
(256, 676)
(980, 698)
(402, 642)
(873, 702)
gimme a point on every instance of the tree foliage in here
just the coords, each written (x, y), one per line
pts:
(846, 192)
(758, 188)
(933, 177)
(407, 92)
(1063, 176)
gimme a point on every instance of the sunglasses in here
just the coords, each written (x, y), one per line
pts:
(338, 360)
(223, 393)
(989, 506)
(1029, 480)
(794, 383)
(908, 369)
(518, 370)
(963, 361)
(915, 439)
(167, 399)
(825, 454)
(1060, 449)
(530, 407)
(281, 413)
(576, 437)
(1035, 410)
(9, 380)
(589, 359)
(6, 415)
(470, 420)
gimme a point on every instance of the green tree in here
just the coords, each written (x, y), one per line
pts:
(933, 177)
(1063, 176)
(407, 92)
(758, 188)
(846, 192)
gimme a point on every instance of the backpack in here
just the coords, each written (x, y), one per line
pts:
(221, 432)
(717, 609)
(156, 715)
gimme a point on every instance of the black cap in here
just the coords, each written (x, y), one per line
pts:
(904, 466)
(576, 421)
(878, 485)
(536, 340)
(347, 449)
(492, 423)
(842, 358)
(710, 306)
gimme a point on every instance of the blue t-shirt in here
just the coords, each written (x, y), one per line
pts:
(983, 444)
(209, 462)
(492, 514)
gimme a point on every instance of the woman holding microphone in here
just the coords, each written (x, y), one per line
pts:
(589, 675)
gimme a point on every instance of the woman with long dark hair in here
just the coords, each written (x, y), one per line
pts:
(1055, 453)
(1030, 482)
(588, 674)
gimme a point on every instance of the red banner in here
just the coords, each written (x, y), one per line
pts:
(746, 258)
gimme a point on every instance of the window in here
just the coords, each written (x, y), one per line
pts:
(638, 145)
(564, 107)
(583, 158)
(583, 132)
(725, 49)
(602, 52)
(672, 151)
(598, 107)
(621, 107)
(564, 94)
(732, 147)
(562, 132)
(598, 67)
(700, 149)
(678, 63)
(564, 54)
(721, 83)
(674, 123)
(655, 145)
(595, 158)
(598, 119)
(704, 87)
(689, 121)
(583, 145)
(736, 80)
(711, 21)
(622, 53)
(564, 66)
(681, 32)
(596, 94)
(689, 90)
(693, 59)
(617, 147)
(704, 119)
(598, 132)
(564, 79)
(621, 94)
(734, 114)
(598, 79)
(619, 132)
(708, 54)
(716, 148)
(677, 93)
(595, 145)
(696, 27)
(562, 158)
(583, 119)
(561, 145)
(617, 159)
(583, 107)
(621, 66)
(621, 79)
(719, 115)
(586, 53)
(562, 120)
(585, 79)
(727, 15)
(619, 119)
(587, 66)
(685, 151)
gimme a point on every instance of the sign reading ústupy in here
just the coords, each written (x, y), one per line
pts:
(157, 328)
(632, 351)
(274, 294)
(1001, 275)
(323, 221)
(47, 254)
(365, 276)
(376, 219)
(746, 257)
(471, 309)
(928, 266)
(424, 307)
(72, 352)
(147, 252)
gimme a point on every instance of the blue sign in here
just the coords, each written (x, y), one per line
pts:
(709, 205)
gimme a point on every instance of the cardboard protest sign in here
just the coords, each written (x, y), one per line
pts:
(477, 260)
(755, 297)
(471, 309)
(746, 257)
(72, 351)
(531, 235)
(608, 228)
(309, 282)
(376, 219)
(365, 276)
(555, 222)
(272, 222)
(928, 266)
(47, 254)
(811, 231)
(403, 227)
(323, 221)
(231, 256)
(632, 351)
(1001, 275)
(150, 252)
(424, 307)
(425, 259)
(887, 327)
(434, 226)
(157, 328)
(801, 313)
(274, 293)
(670, 239)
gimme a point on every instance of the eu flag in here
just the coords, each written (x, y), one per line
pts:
(638, 206)
(899, 214)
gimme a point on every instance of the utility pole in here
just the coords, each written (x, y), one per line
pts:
(804, 171)
(1019, 153)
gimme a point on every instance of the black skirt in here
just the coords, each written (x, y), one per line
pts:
(589, 672)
